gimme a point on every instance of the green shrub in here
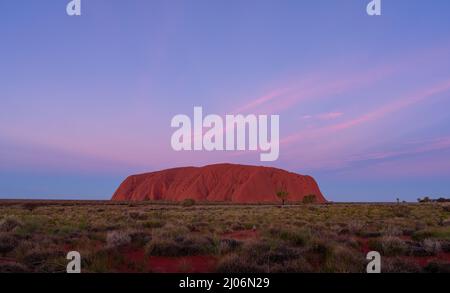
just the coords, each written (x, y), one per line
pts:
(399, 265)
(432, 246)
(139, 238)
(153, 224)
(102, 261)
(9, 224)
(341, 259)
(309, 199)
(234, 263)
(438, 267)
(442, 233)
(323, 248)
(264, 252)
(295, 236)
(388, 246)
(188, 202)
(117, 239)
(134, 215)
(29, 227)
(180, 246)
(38, 256)
(229, 245)
(7, 243)
(163, 247)
(13, 267)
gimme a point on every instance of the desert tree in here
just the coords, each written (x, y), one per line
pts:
(282, 195)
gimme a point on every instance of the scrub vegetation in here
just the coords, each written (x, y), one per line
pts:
(35, 236)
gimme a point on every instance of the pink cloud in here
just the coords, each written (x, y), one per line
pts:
(440, 143)
(340, 159)
(372, 115)
(263, 99)
(321, 84)
(427, 166)
(395, 106)
(313, 87)
(324, 116)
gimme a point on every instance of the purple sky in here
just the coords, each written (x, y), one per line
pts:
(363, 101)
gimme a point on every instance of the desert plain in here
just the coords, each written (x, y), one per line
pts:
(191, 237)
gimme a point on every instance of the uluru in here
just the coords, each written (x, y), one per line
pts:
(218, 183)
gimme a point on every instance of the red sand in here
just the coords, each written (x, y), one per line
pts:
(218, 183)
(185, 264)
(242, 235)
(364, 242)
(4, 260)
(423, 261)
(160, 264)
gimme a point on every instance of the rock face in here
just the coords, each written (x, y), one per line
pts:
(218, 183)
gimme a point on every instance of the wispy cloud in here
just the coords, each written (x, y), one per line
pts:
(324, 116)
(394, 106)
(262, 100)
(313, 87)
(406, 149)
(370, 116)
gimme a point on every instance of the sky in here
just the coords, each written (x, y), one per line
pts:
(363, 100)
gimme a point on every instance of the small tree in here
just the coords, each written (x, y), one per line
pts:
(424, 200)
(282, 194)
(310, 198)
